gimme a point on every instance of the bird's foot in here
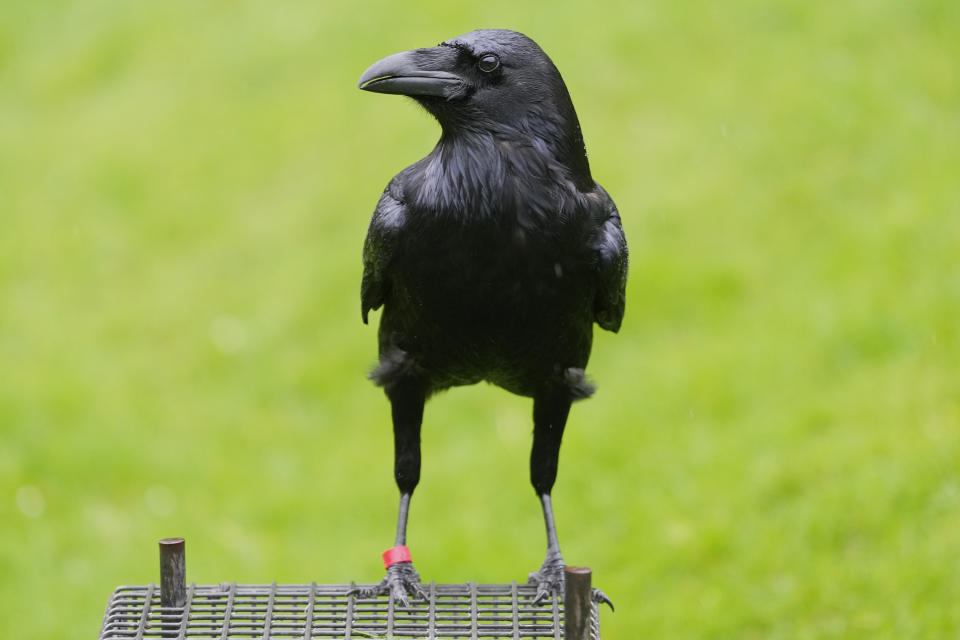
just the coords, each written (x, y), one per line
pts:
(550, 581)
(548, 578)
(402, 580)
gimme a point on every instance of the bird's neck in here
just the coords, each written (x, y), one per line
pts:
(498, 169)
(552, 128)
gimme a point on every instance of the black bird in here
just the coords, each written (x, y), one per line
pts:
(492, 257)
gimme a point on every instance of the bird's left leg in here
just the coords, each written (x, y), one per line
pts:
(550, 413)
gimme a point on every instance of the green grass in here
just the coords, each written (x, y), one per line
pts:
(774, 451)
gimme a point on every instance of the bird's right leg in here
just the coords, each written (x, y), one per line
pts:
(407, 399)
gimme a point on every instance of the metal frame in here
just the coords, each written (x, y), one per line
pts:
(229, 611)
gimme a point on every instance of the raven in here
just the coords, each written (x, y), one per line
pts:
(492, 257)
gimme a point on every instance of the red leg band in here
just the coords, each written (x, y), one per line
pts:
(395, 555)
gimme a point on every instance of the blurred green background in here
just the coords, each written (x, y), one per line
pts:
(774, 450)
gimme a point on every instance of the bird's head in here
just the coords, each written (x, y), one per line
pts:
(491, 80)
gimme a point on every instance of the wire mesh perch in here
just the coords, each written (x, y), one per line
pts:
(305, 611)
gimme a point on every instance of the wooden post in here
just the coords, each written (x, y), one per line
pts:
(577, 603)
(173, 573)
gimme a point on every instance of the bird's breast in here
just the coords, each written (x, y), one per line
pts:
(481, 266)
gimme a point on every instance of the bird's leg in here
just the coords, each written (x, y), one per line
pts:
(549, 577)
(402, 512)
(406, 400)
(550, 413)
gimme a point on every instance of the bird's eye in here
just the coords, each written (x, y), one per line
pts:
(488, 62)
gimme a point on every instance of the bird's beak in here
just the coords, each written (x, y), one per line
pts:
(421, 72)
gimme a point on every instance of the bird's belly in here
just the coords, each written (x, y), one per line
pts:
(471, 313)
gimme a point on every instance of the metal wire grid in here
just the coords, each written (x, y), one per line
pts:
(228, 611)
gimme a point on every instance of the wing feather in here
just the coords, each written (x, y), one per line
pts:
(379, 250)
(612, 258)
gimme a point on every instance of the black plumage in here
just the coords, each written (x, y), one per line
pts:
(492, 257)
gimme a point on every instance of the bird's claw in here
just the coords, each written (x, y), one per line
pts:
(599, 597)
(544, 591)
(401, 581)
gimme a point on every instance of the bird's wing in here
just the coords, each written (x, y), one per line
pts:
(610, 246)
(379, 249)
